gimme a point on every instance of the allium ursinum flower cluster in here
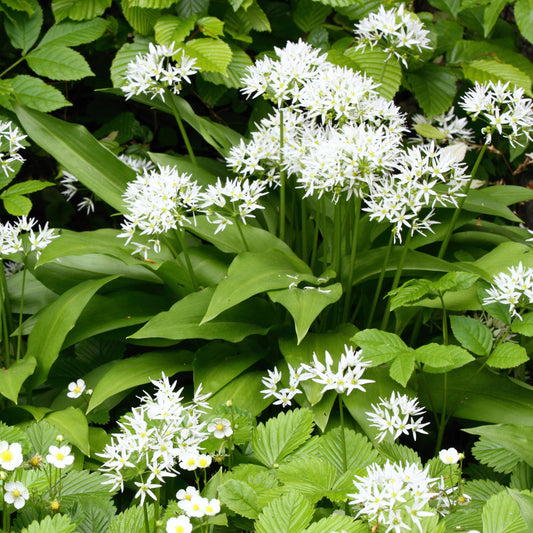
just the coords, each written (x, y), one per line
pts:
(514, 289)
(399, 32)
(426, 176)
(21, 237)
(162, 68)
(504, 108)
(160, 433)
(396, 416)
(395, 496)
(449, 124)
(10, 144)
(233, 199)
(345, 378)
(157, 201)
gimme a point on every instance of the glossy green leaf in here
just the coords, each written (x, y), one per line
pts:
(252, 273)
(479, 201)
(171, 29)
(129, 373)
(484, 70)
(524, 326)
(290, 513)
(472, 334)
(12, 378)
(501, 514)
(429, 132)
(211, 26)
(48, 334)
(73, 425)
(60, 523)
(523, 12)
(306, 304)
(58, 63)
(240, 497)
(237, 68)
(78, 9)
(24, 28)
(337, 523)
(491, 15)
(74, 33)
(434, 87)
(150, 4)
(80, 153)
(402, 367)
(35, 94)
(26, 187)
(379, 346)
(211, 55)
(17, 205)
(309, 14)
(20, 5)
(507, 355)
(525, 504)
(184, 320)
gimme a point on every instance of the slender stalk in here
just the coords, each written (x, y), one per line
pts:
(180, 233)
(181, 127)
(442, 424)
(380, 281)
(5, 516)
(238, 223)
(353, 255)
(283, 180)
(396, 280)
(343, 436)
(146, 521)
(460, 204)
(21, 312)
(4, 309)
(13, 65)
(444, 321)
(303, 213)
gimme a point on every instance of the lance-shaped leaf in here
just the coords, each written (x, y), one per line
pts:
(80, 153)
(12, 378)
(34, 93)
(72, 423)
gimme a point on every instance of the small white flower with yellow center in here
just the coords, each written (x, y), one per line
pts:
(450, 456)
(220, 427)
(179, 524)
(16, 493)
(204, 460)
(76, 388)
(189, 461)
(195, 507)
(187, 494)
(10, 455)
(59, 457)
(212, 507)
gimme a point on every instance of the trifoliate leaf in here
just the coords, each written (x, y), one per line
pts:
(507, 355)
(240, 497)
(379, 346)
(291, 513)
(59, 524)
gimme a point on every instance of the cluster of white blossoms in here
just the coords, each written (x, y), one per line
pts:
(344, 379)
(394, 496)
(514, 289)
(426, 176)
(10, 145)
(504, 108)
(396, 416)
(162, 68)
(21, 237)
(453, 128)
(193, 505)
(160, 433)
(396, 30)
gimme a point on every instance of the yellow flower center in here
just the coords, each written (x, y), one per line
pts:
(77, 390)
(60, 456)
(6, 456)
(220, 427)
(16, 493)
(190, 462)
(179, 529)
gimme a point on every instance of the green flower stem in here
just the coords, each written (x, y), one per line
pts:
(146, 521)
(304, 215)
(343, 436)
(238, 222)
(396, 280)
(181, 237)
(314, 249)
(175, 112)
(443, 420)
(444, 321)
(380, 281)
(4, 309)
(19, 336)
(460, 204)
(353, 255)
(13, 65)
(283, 180)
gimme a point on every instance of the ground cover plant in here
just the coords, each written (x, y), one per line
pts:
(301, 297)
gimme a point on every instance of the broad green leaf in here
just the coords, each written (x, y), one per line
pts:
(523, 326)
(237, 68)
(128, 373)
(379, 346)
(525, 503)
(501, 514)
(252, 18)
(398, 453)
(457, 356)
(34, 93)
(429, 132)
(184, 320)
(49, 332)
(73, 425)
(58, 63)
(252, 273)
(127, 53)
(402, 367)
(291, 513)
(59, 524)
(41, 435)
(20, 5)
(410, 292)
(240, 497)
(17, 205)
(479, 201)
(484, 70)
(309, 14)
(12, 378)
(279, 437)
(24, 28)
(434, 87)
(337, 523)
(448, 6)
(507, 355)
(375, 63)
(472, 334)
(454, 281)
(132, 520)
(80, 153)
(142, 20)
(79, 485)
(491, 15)
(306, 304)
(523, 12)
(74, 33)
(211, 26)
(78, 9)
(26, 187)
(212, 55)
(186, 8)
(482, 395)
(171, 29)
(433, 354)
(313, 477)
(490, 453)
(150, 4)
